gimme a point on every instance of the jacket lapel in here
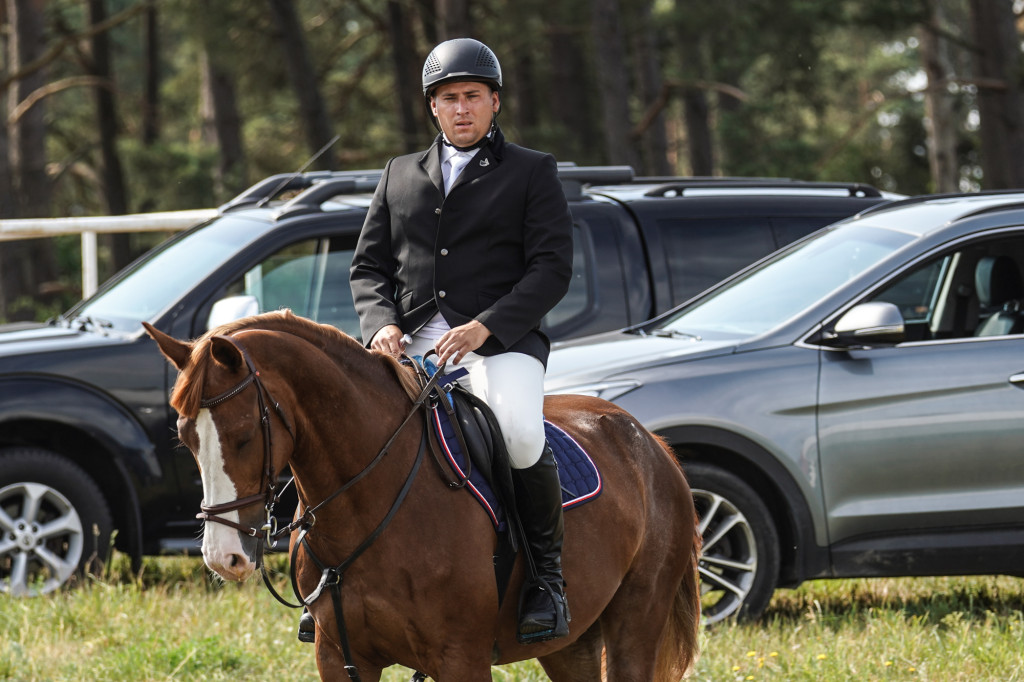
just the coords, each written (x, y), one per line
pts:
(431, 163)
(484, 161)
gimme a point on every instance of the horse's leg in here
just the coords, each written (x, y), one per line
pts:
(636, 618)
(578, 662)
(331, 663)
(632, 625)
(642, 611)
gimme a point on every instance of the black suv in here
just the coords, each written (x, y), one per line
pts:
(87, 440)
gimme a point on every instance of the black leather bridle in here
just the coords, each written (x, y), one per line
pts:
(269, 493)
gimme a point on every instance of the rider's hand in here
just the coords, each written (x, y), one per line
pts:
(461, 340)
(388, 339)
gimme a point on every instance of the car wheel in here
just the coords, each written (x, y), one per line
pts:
(54, 522)
(739, 564)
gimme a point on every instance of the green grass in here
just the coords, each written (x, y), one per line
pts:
(172, 621)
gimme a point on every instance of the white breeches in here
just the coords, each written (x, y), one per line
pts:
(512, 385)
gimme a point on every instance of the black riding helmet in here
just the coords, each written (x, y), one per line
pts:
(460, 60)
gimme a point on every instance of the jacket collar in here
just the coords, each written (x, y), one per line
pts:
(486, 159)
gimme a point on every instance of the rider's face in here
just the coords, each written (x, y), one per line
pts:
(464, 111)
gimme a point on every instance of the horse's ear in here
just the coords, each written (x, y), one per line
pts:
(178, 352)
(226, 353)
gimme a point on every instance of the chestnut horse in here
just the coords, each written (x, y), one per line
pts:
(419, 578)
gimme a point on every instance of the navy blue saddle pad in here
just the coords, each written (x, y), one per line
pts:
(580, 479)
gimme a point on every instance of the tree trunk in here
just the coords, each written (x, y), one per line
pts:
(940, 122)
(698, 132)
(427, 13)
(222, 125)
(27, 135)
(312, 110)
(411, 107)
(25, 265)
(151, 69)
(613, 85)
(574, 107)
(654, 140)
(453, 19)
(997, 65)
(7, 207)
(112, 178)
(526, 100)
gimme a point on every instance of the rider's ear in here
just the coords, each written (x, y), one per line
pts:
(226, 353)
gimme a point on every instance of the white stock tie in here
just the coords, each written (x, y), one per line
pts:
(455, 163)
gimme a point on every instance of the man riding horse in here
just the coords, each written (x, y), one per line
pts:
(465, 248)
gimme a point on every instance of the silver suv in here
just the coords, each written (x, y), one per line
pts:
(850, 406)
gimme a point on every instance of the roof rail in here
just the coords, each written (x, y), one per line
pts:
(1009, 206)
(574, 177)
(679, 187)
(699, 180)
(921, 198)
(276, 185)
(319, 186)
(309, 200)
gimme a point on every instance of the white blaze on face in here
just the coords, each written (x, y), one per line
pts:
(222, 547)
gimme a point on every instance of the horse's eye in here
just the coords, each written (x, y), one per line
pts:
(244, 438)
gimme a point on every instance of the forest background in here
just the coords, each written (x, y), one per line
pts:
(127, 106)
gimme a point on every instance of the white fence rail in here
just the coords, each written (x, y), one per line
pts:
(89, 227)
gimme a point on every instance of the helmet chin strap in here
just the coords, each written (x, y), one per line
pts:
(483, 141)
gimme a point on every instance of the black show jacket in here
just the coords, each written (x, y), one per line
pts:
(497, 248)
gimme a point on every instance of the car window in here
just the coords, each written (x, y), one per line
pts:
(974, 290)
(579, 298)
(703, 252)
(309, 277)
(153, 283)
(789, 229)
(917, 294)
(782, 287)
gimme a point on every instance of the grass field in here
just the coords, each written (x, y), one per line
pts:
(173, 622)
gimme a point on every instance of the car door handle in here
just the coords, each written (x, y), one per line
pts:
(1017, 379)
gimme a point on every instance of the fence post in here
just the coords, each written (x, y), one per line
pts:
(90, 268)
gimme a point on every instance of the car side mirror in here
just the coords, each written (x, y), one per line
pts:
(232, 308)
(867, 324)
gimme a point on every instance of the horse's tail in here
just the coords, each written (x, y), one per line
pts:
(680, 644)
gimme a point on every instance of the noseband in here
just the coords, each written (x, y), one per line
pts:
(269, 493)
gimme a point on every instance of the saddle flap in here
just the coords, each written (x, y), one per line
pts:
(475, 431)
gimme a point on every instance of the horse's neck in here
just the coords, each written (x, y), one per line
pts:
(354, 409)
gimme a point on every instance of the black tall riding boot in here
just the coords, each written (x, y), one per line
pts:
(543, 610)
(307, 627)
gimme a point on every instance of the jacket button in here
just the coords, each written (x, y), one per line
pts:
(444, 252)
(441, 294)
(437, 211)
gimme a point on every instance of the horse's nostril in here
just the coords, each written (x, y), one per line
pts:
(234, 560)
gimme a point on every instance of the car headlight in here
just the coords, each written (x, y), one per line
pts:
(608, 390)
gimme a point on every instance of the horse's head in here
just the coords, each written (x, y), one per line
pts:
(226, 418)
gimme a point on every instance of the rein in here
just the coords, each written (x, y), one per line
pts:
(268, 534)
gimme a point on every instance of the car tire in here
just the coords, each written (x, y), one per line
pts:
(739, 565)
(54, 522)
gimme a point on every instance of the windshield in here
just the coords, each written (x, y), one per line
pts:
(781, 288)
(166, 274)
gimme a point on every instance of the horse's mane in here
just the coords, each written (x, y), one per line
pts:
(188, 388)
